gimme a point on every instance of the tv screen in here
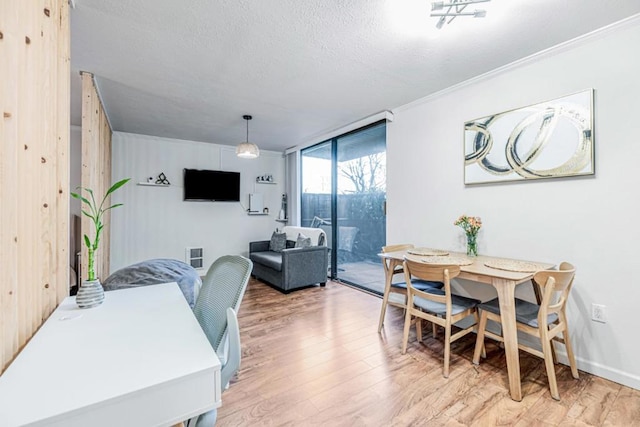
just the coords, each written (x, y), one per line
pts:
(214, 186)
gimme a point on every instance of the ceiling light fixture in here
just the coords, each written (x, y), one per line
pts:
(455, 8)
(247, 150)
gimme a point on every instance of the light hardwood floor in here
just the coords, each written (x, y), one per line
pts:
(314, 357)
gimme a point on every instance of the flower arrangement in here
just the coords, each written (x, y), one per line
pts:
(471, 225)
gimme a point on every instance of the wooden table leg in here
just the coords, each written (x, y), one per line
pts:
(387, 285)
(506, 297)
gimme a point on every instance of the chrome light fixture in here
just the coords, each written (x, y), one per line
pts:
(455, 8)
(247, 150)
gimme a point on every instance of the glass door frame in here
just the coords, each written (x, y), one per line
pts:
(333, 260)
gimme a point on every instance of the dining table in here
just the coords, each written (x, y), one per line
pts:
(504, 274)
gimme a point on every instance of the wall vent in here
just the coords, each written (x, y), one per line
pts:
(195, 257)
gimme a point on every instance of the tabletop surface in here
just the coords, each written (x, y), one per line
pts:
(478, 267)
(137, 339)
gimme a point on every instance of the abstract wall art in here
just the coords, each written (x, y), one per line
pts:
(546, 140)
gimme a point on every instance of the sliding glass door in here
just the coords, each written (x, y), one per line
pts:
(344, 192)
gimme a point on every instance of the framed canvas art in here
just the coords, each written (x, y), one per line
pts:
(547, 140)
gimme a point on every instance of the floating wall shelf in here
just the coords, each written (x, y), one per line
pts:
(153, 184)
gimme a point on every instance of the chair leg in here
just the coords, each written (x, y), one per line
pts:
(419, 328)
(447, 349)
(553, 352)
(383, 311)
(480, 338)
(570, 355)
(548, 361)
(434, 329)
(407, 326)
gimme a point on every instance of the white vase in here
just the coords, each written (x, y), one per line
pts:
(90, 294)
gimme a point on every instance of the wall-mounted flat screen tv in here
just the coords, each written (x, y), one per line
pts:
(212, 186)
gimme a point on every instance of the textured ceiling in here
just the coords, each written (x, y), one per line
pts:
(191, 69)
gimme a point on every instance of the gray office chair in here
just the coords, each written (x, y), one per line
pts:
(219, 299)
(229, 369)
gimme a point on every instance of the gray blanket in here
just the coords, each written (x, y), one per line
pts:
(154, 271)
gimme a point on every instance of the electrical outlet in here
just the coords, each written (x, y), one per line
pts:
(599, 313)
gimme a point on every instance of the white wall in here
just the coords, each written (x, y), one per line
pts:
(155, 222)
(589, 221)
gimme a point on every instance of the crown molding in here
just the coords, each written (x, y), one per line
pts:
(543, 54)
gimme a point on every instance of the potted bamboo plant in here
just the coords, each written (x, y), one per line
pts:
(91, 293)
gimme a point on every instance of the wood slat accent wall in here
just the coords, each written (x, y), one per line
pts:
(34, 167)
(96, 170)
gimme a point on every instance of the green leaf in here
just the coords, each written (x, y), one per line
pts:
(117, 185)
(87, 214)
(87, 241)
(79, 197)
(114, 206)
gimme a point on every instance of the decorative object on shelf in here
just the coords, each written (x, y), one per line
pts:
(90, 293)
(547, 140)
(151, 180)
(282, 216)
(265, 210)
(247, 150)
(471, 225)
(265, 179)
(162, 179)
(455, 8)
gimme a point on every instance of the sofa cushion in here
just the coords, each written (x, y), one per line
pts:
(278, 241)
(316, 234)
(268, 258)
(303, 241)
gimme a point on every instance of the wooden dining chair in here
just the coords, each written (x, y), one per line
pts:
(399, 288)
(438, 306)
(546, 321)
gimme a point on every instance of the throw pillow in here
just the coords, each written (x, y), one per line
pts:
(278, 241)
(303, 241)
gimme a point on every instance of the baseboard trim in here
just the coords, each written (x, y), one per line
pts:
(607, 372)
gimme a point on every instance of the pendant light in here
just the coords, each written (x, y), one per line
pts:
(247, 150)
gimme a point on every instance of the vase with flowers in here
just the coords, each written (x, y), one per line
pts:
(471, 225)
(91, 293)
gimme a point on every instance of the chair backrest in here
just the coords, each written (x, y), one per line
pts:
(433, 273)
(229, 369)
(556, 285)
(223, 287)
(394, 248)
(232, 364)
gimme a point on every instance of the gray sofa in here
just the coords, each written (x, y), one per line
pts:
(293, 268)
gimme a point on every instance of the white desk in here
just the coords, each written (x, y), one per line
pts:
(140, 358)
